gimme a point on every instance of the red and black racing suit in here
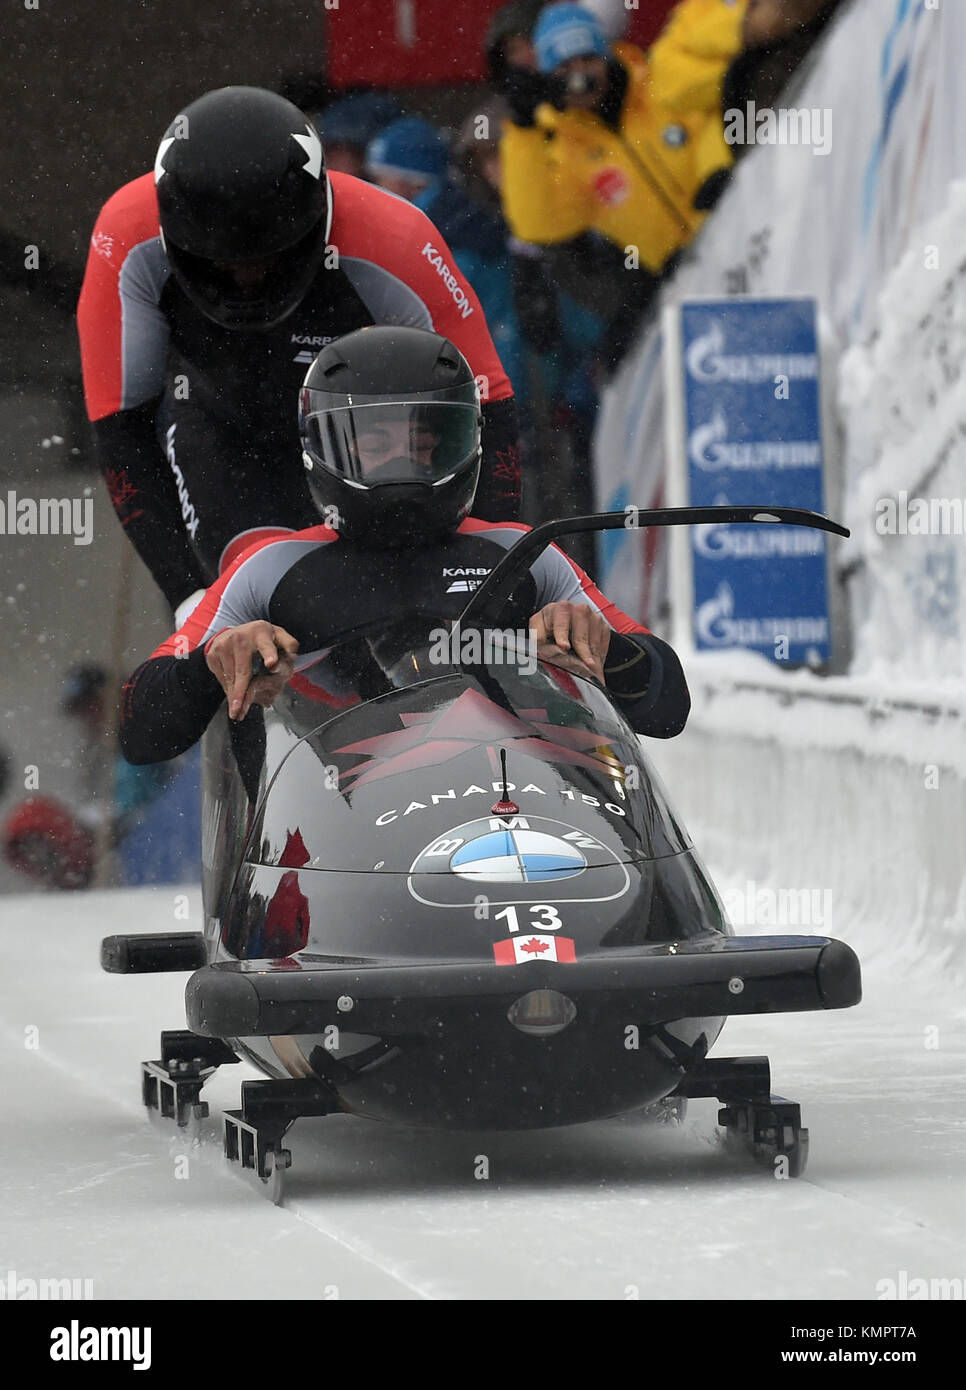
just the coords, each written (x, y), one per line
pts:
(291, 580)
(222, 404)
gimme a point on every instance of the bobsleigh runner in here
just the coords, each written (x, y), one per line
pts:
(456, 895)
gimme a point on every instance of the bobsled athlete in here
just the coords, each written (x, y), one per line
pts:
(390, 424)
(211, 284)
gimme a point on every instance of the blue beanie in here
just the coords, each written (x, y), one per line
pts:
(410, 147)
(567, 31)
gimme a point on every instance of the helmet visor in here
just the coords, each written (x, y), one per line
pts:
(251, 293)
(394, 441)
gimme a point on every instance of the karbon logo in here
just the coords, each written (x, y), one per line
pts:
(449, 280)
(463, 579)
(309, 345)
(188, 512)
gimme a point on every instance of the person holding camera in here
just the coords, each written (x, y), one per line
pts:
(589, 149)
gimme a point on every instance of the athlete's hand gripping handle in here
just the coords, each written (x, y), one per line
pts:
(253, 663)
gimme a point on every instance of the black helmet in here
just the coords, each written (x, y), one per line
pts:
(390, 425)
(244, 204)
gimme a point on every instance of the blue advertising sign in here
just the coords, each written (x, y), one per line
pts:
(749, 370)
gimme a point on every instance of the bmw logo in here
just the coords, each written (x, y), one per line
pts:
(523, 856)
(517, 856)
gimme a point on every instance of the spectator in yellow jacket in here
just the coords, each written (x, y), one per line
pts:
(590, 148)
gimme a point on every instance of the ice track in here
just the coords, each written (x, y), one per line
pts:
(89, 1188)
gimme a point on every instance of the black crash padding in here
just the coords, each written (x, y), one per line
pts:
(698, 979)
(150, 953)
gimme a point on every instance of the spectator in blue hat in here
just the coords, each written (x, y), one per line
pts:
(598, 152)
(569, 41)
(408, 157)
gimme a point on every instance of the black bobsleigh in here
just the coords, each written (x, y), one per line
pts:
(444, 886)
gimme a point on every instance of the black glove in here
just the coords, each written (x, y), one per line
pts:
(524, 91)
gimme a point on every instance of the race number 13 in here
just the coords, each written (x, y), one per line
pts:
(543, 917)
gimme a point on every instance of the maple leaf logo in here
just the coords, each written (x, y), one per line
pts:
(507, 464)
(122, 491)
(534, 947)
(103, 244)
(470, 721)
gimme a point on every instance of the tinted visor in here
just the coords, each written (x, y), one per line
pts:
(253, 292)
(394, 442)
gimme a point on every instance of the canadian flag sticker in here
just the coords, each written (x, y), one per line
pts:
(517, 949)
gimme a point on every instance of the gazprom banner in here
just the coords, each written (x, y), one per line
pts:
(743, 384)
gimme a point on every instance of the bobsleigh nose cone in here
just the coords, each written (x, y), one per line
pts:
(542, 1012)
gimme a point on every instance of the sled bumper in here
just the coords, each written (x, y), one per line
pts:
(710, 978)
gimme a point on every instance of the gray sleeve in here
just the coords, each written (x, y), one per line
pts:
(388, 299)
(247, 595)
(144, 328)
(559, 580)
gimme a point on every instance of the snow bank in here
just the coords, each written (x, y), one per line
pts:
(903, 412)
(843, 799)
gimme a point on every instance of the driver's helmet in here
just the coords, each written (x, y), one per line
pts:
(390, 425)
